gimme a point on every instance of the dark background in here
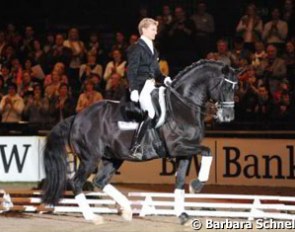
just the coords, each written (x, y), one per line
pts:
(119, 15)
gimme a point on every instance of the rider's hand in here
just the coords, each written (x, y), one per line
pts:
(167, 81)
(134, 96)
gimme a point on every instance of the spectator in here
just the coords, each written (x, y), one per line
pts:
(12, 36)
(60, 69)
(62, 105)
(3, 43)
(223, 54)
(205, 27)
(289, 57)
(51, 90)
(3, 90)
(289, 16)
(273, 68)
(264, 105)
(37, 107)
(78, 52)
(259, 54)
(275, 31)
(239, 55)
(116, 66)
(59, 53)
(90, 67)
(12, 105)
(94, 47)
(181, 39)
(49, 43)
(27, 43)
(26, 86)
(116, 88)
(120, 43)
(250, 27)
(167, 15)
(89, 97)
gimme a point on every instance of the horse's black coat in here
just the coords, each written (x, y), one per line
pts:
(93, 134)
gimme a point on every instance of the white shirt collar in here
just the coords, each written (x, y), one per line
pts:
(148, 42)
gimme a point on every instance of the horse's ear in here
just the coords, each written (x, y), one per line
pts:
(225, 70)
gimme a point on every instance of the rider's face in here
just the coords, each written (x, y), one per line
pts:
(150, 31)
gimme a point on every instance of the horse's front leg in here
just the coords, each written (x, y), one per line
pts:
(179, 192)
(203, 175)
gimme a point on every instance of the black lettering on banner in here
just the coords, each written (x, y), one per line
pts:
(291, 162)
(14, 153)
(279, 168)
(232, 155)
(254, 166)
(165, 164)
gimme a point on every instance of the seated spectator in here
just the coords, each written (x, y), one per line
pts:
(62, 105)
(116, 66)
(49, 43)
(289, 16)
(26, 85)
(36, 107)
(7, 77)
(120, 43)
(89, 97)
(264, 105)
(250, 27)
(239, 55)
(205, 27)
(116, 87)
(289, 57)
(3, 90)
(60, 69)
(51, 90)
(59, 53)
(95, 48)
(283, 111)
(12, 105)
(259, 54)
(90, 67)
(276, 30)
(272, 69)
(223, 54)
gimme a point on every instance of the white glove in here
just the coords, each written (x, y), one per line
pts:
(134, 96)
(167, 81)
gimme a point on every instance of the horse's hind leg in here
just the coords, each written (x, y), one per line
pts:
(102, 180)
(84, 170)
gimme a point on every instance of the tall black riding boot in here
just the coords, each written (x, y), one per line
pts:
(142, 129)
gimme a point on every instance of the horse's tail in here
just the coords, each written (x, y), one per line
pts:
(55, 162)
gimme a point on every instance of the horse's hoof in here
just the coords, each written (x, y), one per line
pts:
(184, 219)
(196, 186)
(97, 220)
(127, 214)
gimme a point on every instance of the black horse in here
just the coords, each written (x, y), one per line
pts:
(94, 137)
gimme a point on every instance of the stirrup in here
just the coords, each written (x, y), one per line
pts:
(136, 152)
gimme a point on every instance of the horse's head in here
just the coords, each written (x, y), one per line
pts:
(222, 90)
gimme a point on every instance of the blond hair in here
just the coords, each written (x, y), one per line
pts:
(145, 23)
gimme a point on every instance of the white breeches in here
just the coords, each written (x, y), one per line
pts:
(145, 98)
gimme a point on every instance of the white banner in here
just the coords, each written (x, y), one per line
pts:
(20, 159)
(237, 161)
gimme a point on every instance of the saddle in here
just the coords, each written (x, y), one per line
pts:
(131, 113)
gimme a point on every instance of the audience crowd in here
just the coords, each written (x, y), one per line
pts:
(46, 78)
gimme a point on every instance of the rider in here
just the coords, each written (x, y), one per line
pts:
(143, 68)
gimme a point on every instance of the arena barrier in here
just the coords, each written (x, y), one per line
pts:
(145, 203)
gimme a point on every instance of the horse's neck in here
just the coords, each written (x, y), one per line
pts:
(182, 109)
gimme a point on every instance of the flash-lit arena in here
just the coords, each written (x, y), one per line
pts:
(147, 115)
